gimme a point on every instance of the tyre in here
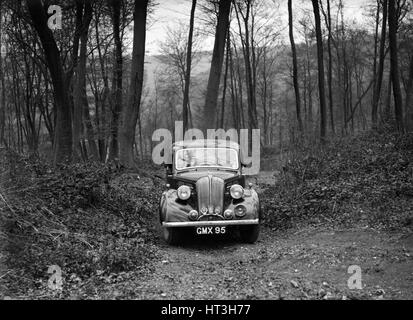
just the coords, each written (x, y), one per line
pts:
(249, 234)
(171, 235)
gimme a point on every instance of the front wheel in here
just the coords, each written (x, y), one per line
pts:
(249, 234)
(171, 235)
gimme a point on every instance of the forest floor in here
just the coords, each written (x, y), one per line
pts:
(322, 215)
(310, 263)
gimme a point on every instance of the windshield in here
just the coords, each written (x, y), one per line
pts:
(206, 157)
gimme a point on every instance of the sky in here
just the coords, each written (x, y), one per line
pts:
(169, 13)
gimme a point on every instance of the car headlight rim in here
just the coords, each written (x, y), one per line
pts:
(228, 214)
(236, 191)
(184, 192)
(193, 215)
(240, 211)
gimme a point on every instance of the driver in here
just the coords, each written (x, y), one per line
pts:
(188, 160)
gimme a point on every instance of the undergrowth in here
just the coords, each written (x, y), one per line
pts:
(365, 180)
(97, 222)
(92, 220)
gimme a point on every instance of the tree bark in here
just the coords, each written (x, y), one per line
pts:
(295, 68)
(379, 80)
(409, 98)
(320, 59)
(63, 129)
(131, 111)
(248, 52)
(330, 69)
(210, 108)
(2, 86)
(102, 114)
(185, 105)
(394, 65)
(116, 106)
(80, 84)
(224, 90)
(376, 36)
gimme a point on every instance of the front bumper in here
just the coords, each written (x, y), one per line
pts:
(211, 223)
(171, 210)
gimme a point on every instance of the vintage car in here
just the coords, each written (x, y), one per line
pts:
(206, 192)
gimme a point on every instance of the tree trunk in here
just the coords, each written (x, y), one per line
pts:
(2, 86)
(409, 98)
(224, 90)
(376, 36)
(63, 128)
(309, 85)
(116, 106)
(248, 53)
(131, 111)
(210, 108)
(80, 84)
(185, 105)
(295, 68)
(379, 80)
(330, 69)
(102, 114)
(394, 65)
(234, 96)
(387, 109)
(320, 59)
(88, 128)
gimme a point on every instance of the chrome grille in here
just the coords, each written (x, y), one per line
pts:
(210, 192)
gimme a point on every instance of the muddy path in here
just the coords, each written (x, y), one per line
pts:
(301, 264)
(308, 263)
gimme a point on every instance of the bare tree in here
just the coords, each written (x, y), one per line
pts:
(185, 104)
(63, 127)
(394, 64)
(2, 83)
(327, 18)
(80, 97)
(244, 13)
(409, 98)
(379, 75)
(116, 106)
(295, 68)
(320, 59)
(210, 108)
(224, 90)
(131, 111)
(175, 59)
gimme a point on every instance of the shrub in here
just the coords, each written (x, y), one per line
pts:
(363, 179)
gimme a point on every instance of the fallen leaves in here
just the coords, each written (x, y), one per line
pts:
(367, 179)
(80, 217)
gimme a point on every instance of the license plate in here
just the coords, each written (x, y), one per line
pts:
(211, 230)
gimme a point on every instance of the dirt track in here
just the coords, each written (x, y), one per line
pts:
(310, 263)
(306, 264)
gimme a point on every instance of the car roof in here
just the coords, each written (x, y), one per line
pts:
(205, 143)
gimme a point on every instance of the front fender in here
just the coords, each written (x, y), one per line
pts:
(251, 203)
(171, 209)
